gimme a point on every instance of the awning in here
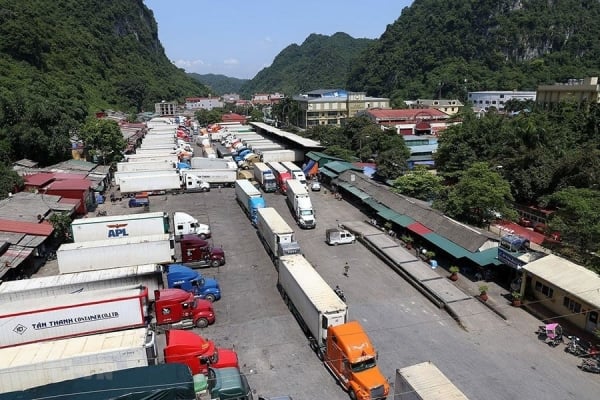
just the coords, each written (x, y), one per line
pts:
(378, 207)
(402, 220)
(446, 245)
(354, 190)
(327, 172)
(387, 214)
(419, 229)
(486, 257)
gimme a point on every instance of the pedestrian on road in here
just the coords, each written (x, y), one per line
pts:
(346, 269)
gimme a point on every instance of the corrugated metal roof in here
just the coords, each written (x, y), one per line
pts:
(570, 277)
(32, 228)
(70, 184)
(38, 179)
(419, 229)
(448, 246)
(355, 191)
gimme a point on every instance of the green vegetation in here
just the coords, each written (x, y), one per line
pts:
(419, 183)
(219, 84)
(103, 140)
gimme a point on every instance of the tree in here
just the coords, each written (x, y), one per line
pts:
(207, 117)
(391, 156)
(479, 195)
(419, 183)
(9, 181)
(103, 139)
(61, 222)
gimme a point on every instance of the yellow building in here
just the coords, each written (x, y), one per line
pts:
(579, 90)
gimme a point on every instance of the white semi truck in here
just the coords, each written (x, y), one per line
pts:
(136, 182)
(113, 253)
(211, 163)
(315, 302)
(249, 198)
(214, 176)
(265, 177)
(277, 236)
(295, 170)
(281, 155)
(300, 204)
(162, 165)
(74, 314)
(37, 364)
(169, 158)
(425, 381)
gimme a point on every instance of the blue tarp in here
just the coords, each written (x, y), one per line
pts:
(308, 167)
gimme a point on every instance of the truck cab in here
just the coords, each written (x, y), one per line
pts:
(228, 384)
(198, 251)
(180, 309)
(192, 183)
(185, 224)
(197, 353)
(352, 359)
(182, 277)
(139, 201)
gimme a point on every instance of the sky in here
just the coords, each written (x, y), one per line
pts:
(240, 38)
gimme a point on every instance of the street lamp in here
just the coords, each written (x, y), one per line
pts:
(360, 139)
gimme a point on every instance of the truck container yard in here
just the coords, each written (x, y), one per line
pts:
(281, 155)
(112, 253)
(35, 364)
(282, 175)
(343, 346)
(249, 198)
(277, 236)
(160, 181)
(424, 381)
(73, 314)
(299, 202)
(265, 177)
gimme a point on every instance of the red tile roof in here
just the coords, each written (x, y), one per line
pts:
(39, 179)
(408, 114)
(31, 228)
(63, 176)
(70, 184)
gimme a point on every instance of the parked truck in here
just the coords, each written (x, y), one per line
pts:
(164, 381)
(249, 198)
(265, 177)
(145, 166)
(424, 381)
(298, 201)
(209, 163)
(167, 158)
(277, 236)
(343, 346)
(228, 384)
(157, 181)
(199, 253)
(282, 155)
(197, 353)
(296, 171)
(282, 175)
(214, 176)
(36, 364)
(249, 160)
(182, 277)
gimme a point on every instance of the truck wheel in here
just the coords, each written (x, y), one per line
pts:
(215, 263)
(320, 354)
(201, 323)
(210, 297)
(202, 236)
(352, 394)
(204, 190)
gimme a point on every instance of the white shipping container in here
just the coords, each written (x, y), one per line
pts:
(114, 253)
(148, 275)
(30, 365)
(281, 155)
(161, 180)
(169, 158)
(214, 176)
(244, 191)
(273, 229)
(425, 381)
(73, 314)
(119, 226)
(162, 165)
(316, 302)
(211, 163)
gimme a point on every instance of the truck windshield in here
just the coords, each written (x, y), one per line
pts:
(306, 212)
(364, 365)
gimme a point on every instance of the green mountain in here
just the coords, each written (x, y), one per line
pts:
(219, 84)
(320, 62)
(446, 48)
(62, 59)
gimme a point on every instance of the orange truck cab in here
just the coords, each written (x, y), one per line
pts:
(351, 358)
(197, 353)
(180, 309)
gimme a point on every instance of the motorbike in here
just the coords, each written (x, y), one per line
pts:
(590, 365)
(580, 349)
(340, 293)
(552, 334)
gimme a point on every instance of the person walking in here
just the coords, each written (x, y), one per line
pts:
(346, 269)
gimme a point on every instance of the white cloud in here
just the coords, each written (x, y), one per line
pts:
(189, 64)
(231, 61)
(268, 39)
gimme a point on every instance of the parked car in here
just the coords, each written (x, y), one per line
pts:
(335, 236)
(315, 186)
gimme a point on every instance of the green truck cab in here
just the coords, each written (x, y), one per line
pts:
(228, 384)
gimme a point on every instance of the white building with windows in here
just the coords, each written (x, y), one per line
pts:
(497, 99)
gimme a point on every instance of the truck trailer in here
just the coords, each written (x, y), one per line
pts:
(210, 163)
(282, 175)
(168, 158)
(298, 201)
(36, 364)
(424, 381)
(282, 155)
(119, 226)
(343, 346)
(277, 236)
(74, 314)
(158, 181)
(113, 253)
(249, 198)
(296, 171)
(265, 177)
(214, 176)
(161, 165)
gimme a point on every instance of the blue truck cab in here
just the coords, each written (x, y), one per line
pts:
(181, 277)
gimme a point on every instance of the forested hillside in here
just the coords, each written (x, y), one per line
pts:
(219, 85)
(62, 59)
(440, 48)
(320, 62)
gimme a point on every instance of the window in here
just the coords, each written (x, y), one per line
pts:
(572, 304)
(545, 290)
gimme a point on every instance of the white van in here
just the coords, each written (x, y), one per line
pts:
(335, 236)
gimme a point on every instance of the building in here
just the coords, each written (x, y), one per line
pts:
(450, 107)
(202, 103)
(230, 98)
(233, 117)
(165, 108)
(410, 122)
(332, 106)
(266, 98)
(579, 90)
(497, 99)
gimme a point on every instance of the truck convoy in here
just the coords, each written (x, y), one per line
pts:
(132, 225)
(343, 346)
(282, 175)
(265, 177)
(424, 381)
(249, 198)
(277, 236)
(298, 201)
(113, 253)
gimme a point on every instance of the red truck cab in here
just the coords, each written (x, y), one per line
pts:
(196, 250)
(178, 307)
(197, 353)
